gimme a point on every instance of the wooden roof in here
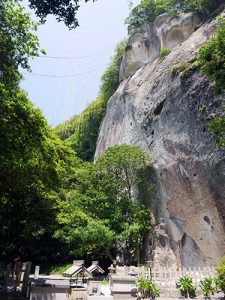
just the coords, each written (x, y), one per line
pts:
(74, 270)
(96, 268)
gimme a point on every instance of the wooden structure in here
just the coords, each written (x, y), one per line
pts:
(14, 280)
(95, 268)
(78, 268)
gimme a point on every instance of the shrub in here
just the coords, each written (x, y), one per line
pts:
(186, 286)
(221, 275)
(59, 270)
(211, 58)
(164, 52)
(208, 286)
(148, 10)
(147, 288)
(217, 128)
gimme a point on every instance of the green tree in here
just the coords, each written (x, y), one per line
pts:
(33, 163)
(64, 10)
(148, 10)
(110, 78)
(81, 132)
(18, 41)
(221, 274)
(101, 196)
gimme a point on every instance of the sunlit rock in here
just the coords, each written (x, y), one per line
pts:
(167, 116)
(166, 32)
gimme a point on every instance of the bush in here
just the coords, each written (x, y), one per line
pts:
(186, 286)
(164, 52)
(221, 275)
(148, 10)
(208, 286)
(211, 58)
(59, 270)
(147, 288)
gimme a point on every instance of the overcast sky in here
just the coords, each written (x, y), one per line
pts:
(87, 50)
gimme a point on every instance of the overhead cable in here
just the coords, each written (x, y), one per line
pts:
(75, 57)
(64, 76)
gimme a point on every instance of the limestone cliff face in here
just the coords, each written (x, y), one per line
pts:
(165, 32)
(167, 115)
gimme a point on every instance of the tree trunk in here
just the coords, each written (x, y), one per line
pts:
(109, 254)
(138, 253)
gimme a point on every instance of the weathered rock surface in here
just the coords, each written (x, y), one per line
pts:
(165, 32)
(167, 115)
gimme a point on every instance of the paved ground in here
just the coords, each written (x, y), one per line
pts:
(218, 296)
(60, 280)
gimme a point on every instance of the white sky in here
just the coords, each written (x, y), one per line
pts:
(101, 28)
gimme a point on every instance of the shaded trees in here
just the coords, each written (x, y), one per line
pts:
(33, 160)
(32, 165)
(101, 213)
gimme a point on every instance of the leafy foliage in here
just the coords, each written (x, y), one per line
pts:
(33, 160)
(81, 132)
(32, 166)
(60, 269)
(99, 214)
(110, 78)
(17, 39)
(186, 286)
(147, 288)
(208, 286)
(221, 274)
(164, 52)
(217, 128)
(65, 11)
(212, 57)
(148, 10)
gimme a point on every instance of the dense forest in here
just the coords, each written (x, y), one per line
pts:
(52, 195)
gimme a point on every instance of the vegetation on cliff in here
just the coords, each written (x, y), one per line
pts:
(148, 10)
(211, 57)
(81, 132)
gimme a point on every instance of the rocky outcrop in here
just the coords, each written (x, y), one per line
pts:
(167, 116)
(165, 32)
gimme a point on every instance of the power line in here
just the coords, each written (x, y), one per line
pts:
(64, 76)
(75, 57)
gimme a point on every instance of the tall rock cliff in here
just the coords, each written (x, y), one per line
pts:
(166, 115)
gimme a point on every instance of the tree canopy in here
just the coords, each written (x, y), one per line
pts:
(64, 10)
(18, 41)
(101, 213)
(33, 160)
(148, 10)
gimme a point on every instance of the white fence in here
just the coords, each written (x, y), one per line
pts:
(167, 276)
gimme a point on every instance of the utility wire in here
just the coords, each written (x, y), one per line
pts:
(65, 76)
(74, 57)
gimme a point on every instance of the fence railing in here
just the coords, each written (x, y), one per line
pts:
(14, 279)
(167, 276)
